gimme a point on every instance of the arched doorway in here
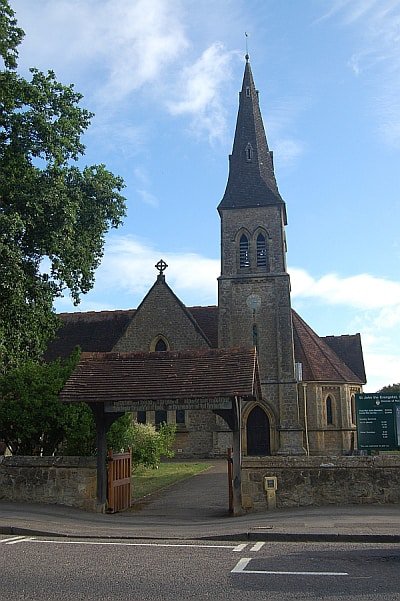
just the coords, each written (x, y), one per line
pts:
(257, 430)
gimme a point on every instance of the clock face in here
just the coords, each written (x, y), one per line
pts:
(253, 302)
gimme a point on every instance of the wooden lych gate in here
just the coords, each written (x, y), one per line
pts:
(119, 474)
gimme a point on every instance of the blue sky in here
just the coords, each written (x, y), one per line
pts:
(162, 77)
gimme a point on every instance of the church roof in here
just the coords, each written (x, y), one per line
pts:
(326, 359)
(320, 362)
(251, 180)
(134, 377)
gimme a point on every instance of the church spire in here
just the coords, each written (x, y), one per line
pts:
(251, 181)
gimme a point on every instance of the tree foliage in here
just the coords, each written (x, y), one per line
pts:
(147, 444)
(32, 419)
(53, 214)
(390, 389)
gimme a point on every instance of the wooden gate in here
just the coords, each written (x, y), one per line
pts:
(119, 471)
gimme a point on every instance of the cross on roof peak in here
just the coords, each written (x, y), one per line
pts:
(161, 266)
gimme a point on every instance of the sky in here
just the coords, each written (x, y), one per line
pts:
(163, 76)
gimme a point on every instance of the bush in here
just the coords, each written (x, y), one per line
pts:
(148, 445)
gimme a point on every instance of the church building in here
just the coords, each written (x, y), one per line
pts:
(308, 382)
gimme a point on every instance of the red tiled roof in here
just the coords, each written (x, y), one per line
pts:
(135, 377)
(348, 348)
(320, 362)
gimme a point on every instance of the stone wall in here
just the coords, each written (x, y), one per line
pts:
(62, 480)
(305, 481)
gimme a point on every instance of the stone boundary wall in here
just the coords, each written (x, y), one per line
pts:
(61, 480)
(305, 481)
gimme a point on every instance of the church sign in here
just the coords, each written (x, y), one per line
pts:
(169, 405)
(378, 421)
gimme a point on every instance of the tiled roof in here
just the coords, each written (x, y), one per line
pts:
(207, 319)
(251, 181)
(348, 348)
(328, 359)
(320, 362)
(93, 331)
(135, 377)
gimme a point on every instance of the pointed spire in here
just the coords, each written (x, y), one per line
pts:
(251, 181)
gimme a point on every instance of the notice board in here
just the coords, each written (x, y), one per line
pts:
(378, 421)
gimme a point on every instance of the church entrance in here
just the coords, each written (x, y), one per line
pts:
(257, 430)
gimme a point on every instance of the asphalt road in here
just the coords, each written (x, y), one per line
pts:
(65, 569)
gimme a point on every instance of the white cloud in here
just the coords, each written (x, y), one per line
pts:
(128, 267)
(132, 42)
(198, 92)
(361, 291)
(148, 198)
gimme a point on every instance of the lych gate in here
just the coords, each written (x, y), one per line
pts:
(114, 383)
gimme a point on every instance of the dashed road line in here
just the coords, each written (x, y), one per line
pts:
(257, 546)
(240, 568)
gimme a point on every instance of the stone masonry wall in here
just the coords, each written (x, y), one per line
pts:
(62, 480)
(305, 481)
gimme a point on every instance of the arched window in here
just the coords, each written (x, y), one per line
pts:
(249, 152)
(244, 251)
(329, 411)
(261, 250)
(353, 409)
(160, 346)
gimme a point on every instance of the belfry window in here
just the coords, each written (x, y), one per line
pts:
(249, 153)
(261, 250)
(247, 91)
(244, 252)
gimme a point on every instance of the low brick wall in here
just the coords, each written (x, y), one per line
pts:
(304, 481)
(61, 480)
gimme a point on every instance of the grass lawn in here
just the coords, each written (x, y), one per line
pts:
(147, 480)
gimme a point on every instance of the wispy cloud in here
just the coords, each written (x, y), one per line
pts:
(198, 91)
(376, 56)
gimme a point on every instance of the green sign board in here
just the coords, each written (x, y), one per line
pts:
(378, 421)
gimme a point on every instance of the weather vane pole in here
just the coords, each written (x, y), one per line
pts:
(247, 49)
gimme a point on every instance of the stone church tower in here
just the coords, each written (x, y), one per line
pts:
(254, 286)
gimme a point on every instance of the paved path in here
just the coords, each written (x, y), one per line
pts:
(203, 497)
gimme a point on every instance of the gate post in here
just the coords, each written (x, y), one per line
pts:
(237, 459)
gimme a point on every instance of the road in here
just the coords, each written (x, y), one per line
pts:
(45, 569)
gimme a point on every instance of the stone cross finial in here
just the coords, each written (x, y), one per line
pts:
(161, 266)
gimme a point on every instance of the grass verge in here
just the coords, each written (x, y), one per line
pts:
(148, 480)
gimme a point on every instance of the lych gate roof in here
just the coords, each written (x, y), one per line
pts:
(136, 377)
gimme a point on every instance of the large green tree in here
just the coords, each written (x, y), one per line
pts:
(32, 419)
(53, 214)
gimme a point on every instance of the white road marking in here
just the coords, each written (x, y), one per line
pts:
(257, 546)
(240, 547)
(7, 540)
(19, 539)
(127, 544)
(241, 565)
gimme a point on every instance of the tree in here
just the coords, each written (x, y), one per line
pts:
(32, 419)
(53, 215)
(390, 389)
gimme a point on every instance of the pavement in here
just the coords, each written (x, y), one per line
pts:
(196, 509)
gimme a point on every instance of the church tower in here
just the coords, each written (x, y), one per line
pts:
(254, 286)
